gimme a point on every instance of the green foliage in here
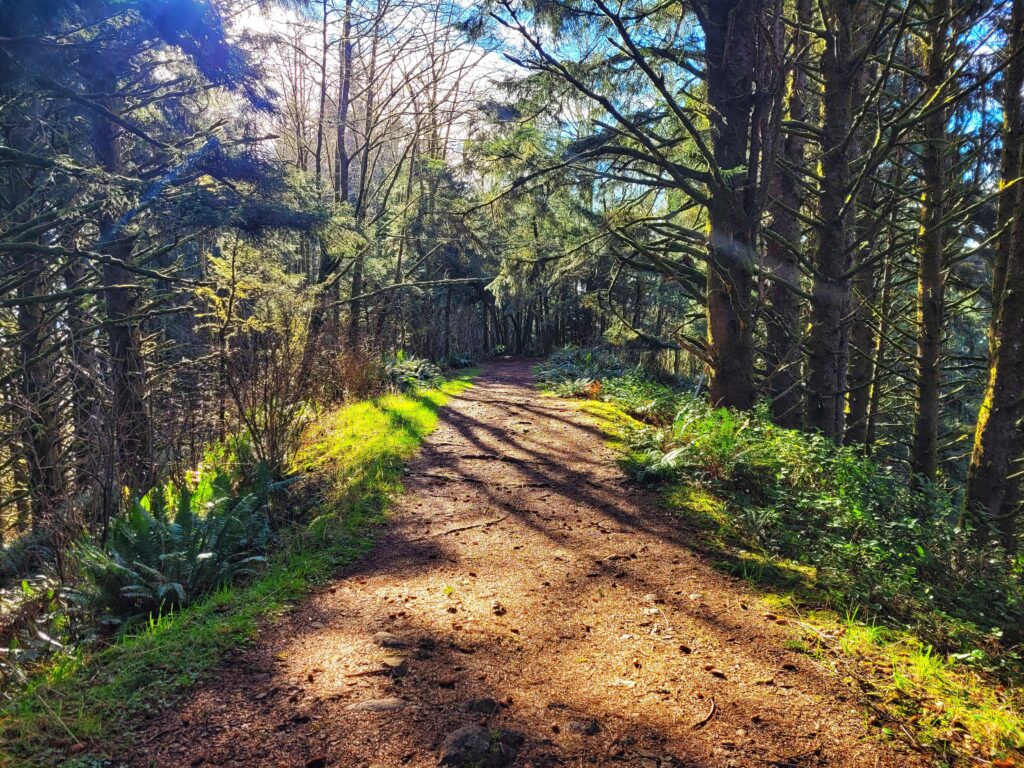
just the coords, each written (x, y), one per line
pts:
(458, 360)
(355, 454)
(175, 544)
(641, 397)
(411, 373)
(950, 702)
(597, 373)
(575, 364)
(873, 540)
(32, 617)
(870, 539)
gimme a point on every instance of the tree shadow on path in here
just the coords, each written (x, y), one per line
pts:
(518, 568)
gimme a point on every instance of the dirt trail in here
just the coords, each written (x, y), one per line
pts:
(520, 567)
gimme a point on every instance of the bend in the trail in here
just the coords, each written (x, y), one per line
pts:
(522, 584)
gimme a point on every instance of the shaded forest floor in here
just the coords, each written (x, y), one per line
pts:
(523, 586)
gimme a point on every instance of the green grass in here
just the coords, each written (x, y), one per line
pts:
(614, 421)
(72, 711)
(958, 706)
(934, 700)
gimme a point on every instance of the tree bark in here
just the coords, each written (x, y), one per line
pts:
(878, 360)
(861, 346)
(341, 164)
(86, 443)
(990, 490)
(355, 306)
(730, 51)
(321, 112)
(992, 498)
(930, 277)
(830, 293)
(861, 356)
(782, 349)
(1010, 156)
(131, 426)
(41, 419)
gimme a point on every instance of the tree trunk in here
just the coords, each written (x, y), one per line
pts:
(1011, 155)
(447, 321)
(35, 447)
(830, 294)
(321, 112)
(485, 343)
(131, 428)
(990, 491)
(861, 354)
(341, 164)
(86, 443)
(930, 279)
(878, 360)
(993, 477)
(41, 419)
(861, 345)
(355, 307)
(730, 51)
(782, 350)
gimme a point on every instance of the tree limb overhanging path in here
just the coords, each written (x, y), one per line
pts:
(522, 586)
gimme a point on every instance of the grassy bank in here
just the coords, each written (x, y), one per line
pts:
(351, 461)
(873, 576)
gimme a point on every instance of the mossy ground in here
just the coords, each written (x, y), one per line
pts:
(72, 710)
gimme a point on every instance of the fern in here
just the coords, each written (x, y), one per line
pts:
(410, 373)
(175, 544)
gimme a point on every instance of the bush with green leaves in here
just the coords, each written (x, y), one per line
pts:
(175, 544)
(31, 617)
(458, 360)
(410, 373)
(602, 375)
(576, 364)
(876, 542)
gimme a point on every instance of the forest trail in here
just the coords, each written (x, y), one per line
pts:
(521, 584)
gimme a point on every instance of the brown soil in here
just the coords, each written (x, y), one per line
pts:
(520, 566)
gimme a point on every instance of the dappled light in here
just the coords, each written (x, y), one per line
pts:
(515, 576)
(511, 384)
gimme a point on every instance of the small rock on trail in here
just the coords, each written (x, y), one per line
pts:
(474, 746)
(378, 705)
(388, 640)
(585, 727)
(484, 706)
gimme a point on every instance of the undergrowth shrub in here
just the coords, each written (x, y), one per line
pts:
(875, 543)
(31, 617)
(357, 374)
(410, 373)
(571, 365)
(458, 360)
(175, 544)
(601, 375)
